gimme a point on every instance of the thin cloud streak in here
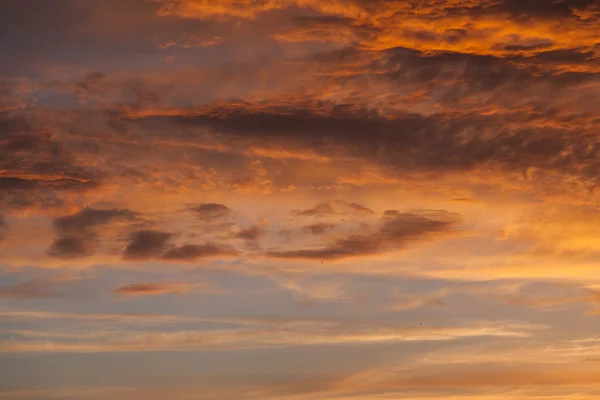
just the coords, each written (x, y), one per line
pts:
(253, 339)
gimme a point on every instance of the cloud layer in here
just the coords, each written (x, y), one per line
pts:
(244, 199)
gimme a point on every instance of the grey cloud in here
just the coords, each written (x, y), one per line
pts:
(71, 247)
(146, 244)
(211, 211)
(411, 142)
(544, 9)
(90, 80)
(150, 244)
(397, 231)
(36, 166)
(191, 252)
(3, 227)
(518, 47)
(76, 235)
(88, 218)
(250, 234)
(318, 229)
(334, 208)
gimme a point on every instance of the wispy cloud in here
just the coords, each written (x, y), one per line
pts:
(276, 336)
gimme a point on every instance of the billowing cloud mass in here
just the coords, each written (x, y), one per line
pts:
(401, 197)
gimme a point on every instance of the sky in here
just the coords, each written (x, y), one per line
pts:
(300, 199)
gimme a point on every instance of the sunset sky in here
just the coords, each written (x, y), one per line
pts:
(299, 199)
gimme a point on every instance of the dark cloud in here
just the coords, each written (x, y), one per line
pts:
(453, 78)
(36, 166)
(76, 235)
(564, 56)
(520, 47)
(318, 229)
(3, 227)
(211, 211)
(250, 234)
(457, 139)
(146, 244)
(192, 252)
(421, 35)
(334, 208)
(397, 230)
(91, 80)
(87, 218)
(30, 150)
(546, 9)
(149, 244)
(320, 209)
(402, 226)
(413, 142)
(321, 20)
(8, 184)
(473, 73)
(454, 35)
(71, 247)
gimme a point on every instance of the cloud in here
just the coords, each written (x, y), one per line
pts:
(70, 247)
(397, 230)
(211, 211)
(267, 106)
(404, 142)
(334, 208)
(146, 244)
(141, 289)
(3, 227)
(249, 234)
(35, 167)
(91, 80)
(76, 235)
(87, 218)
(192, 252)
(330, 333)
(318, 229)
(478, 26)
(123, 318)
(479, 377)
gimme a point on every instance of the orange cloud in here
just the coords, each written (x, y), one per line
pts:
(142, 289)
